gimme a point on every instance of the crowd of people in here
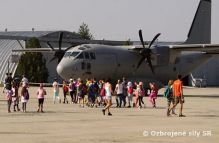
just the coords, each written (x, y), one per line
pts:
(93, 93)
(11, 90)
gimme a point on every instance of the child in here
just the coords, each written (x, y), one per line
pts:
(9, 93)
(136, 94)
(40, 95)
(153, 94)
(15, 97)
(130, 93)
(65, 91)
(141, 93)
(169, 95)
(24, 97)
(56, 91)
(81, 92)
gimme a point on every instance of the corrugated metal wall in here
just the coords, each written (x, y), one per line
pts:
(6, 47)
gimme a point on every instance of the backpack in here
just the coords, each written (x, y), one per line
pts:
(130, 90)
(102, 91)
(167, 92)
(26, 96)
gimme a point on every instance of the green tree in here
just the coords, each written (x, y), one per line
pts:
(33, 65)
(84, 32)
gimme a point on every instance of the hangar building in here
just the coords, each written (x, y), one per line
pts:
(206, 75)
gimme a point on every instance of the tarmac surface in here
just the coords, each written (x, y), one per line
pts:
(68, 123)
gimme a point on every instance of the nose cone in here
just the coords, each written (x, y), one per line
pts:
(60, 70)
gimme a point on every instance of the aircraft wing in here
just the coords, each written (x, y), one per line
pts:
(8, 36)
(33, 50)
(207, 48)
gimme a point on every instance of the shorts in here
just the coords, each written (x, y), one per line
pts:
(81, 95)
(41, 100)
(178, 99)
(170, 100)
(108, 97)
(56, 93)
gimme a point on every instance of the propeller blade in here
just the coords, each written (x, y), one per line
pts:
(60, 40)
(150, 64)
(53, 59)
(59, 59)
(68, 48)
(155, 38)
(141, 37)
(50, 46)
(140, 62)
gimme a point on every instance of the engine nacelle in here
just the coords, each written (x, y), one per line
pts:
(161, 55)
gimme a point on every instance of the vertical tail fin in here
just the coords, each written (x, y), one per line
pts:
(200, 31)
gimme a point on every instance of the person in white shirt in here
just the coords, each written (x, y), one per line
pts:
(108, 97)
(56, 91)
(119, 93)
(24, 81)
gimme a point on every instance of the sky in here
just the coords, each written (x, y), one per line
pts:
(107, 19)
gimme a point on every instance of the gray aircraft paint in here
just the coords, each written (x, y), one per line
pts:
(120, 61)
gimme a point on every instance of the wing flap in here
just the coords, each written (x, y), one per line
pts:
(208, 48)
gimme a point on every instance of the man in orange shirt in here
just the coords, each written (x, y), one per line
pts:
(178, 95)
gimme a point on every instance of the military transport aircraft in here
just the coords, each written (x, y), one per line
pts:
(145, 63)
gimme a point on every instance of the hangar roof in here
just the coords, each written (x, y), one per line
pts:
(25, 35)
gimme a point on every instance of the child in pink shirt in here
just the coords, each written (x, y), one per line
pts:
(153, 94)
(40, 95)
(9, 94)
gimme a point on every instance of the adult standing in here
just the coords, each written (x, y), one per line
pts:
(178, 95)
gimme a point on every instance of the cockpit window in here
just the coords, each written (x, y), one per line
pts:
(74, 54)
(67, 54)
(86, 55)
(80, 56)
(92, 55)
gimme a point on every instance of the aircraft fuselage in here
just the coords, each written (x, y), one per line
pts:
(114, 62)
